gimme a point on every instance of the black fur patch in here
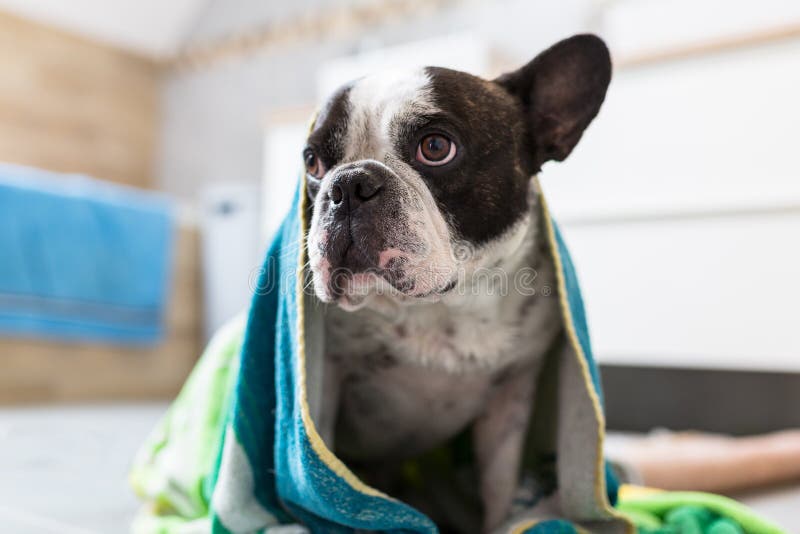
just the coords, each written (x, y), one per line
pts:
(328, 133)
(483, 191)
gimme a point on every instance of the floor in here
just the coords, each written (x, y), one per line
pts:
(63, 471)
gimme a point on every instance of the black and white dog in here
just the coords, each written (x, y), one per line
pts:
(423, 209)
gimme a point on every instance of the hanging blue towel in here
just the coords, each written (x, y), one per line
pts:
(82, 259)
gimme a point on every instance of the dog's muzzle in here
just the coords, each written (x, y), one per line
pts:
(371, 234)
(353, 217)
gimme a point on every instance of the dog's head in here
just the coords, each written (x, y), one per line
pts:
(413, 175)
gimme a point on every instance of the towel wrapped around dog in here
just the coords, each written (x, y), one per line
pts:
(239, 450)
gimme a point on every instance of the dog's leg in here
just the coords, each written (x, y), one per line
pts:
(499, 436)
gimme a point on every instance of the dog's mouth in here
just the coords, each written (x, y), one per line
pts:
(348, 274)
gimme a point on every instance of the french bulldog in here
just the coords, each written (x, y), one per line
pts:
(425, 225)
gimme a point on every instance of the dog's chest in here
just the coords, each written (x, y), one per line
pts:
(436, 337)
(412, 379)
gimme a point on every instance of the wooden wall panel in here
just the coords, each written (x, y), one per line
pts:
(69, 104)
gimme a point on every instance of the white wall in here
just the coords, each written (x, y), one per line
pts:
(214, 119)
(636, 27)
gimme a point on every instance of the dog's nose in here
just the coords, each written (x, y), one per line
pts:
(352, 187)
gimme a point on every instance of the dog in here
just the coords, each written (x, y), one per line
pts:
(423, 206)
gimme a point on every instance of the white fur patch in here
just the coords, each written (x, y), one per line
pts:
(379, 101)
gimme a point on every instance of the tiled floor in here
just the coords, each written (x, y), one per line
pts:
(63, 471)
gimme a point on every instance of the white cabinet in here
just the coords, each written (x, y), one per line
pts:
(682, 209)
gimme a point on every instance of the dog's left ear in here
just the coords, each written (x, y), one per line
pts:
(561, 91)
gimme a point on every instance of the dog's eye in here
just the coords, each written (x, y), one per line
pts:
(435, 150)
(314, 166)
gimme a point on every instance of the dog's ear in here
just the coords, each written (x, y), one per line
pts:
(561, 91)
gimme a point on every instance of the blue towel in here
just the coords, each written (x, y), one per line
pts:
(82, 259)
(239, 451)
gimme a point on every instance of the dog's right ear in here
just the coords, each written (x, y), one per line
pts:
(561, 91)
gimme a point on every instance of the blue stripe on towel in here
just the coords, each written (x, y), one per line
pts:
(82, 259)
